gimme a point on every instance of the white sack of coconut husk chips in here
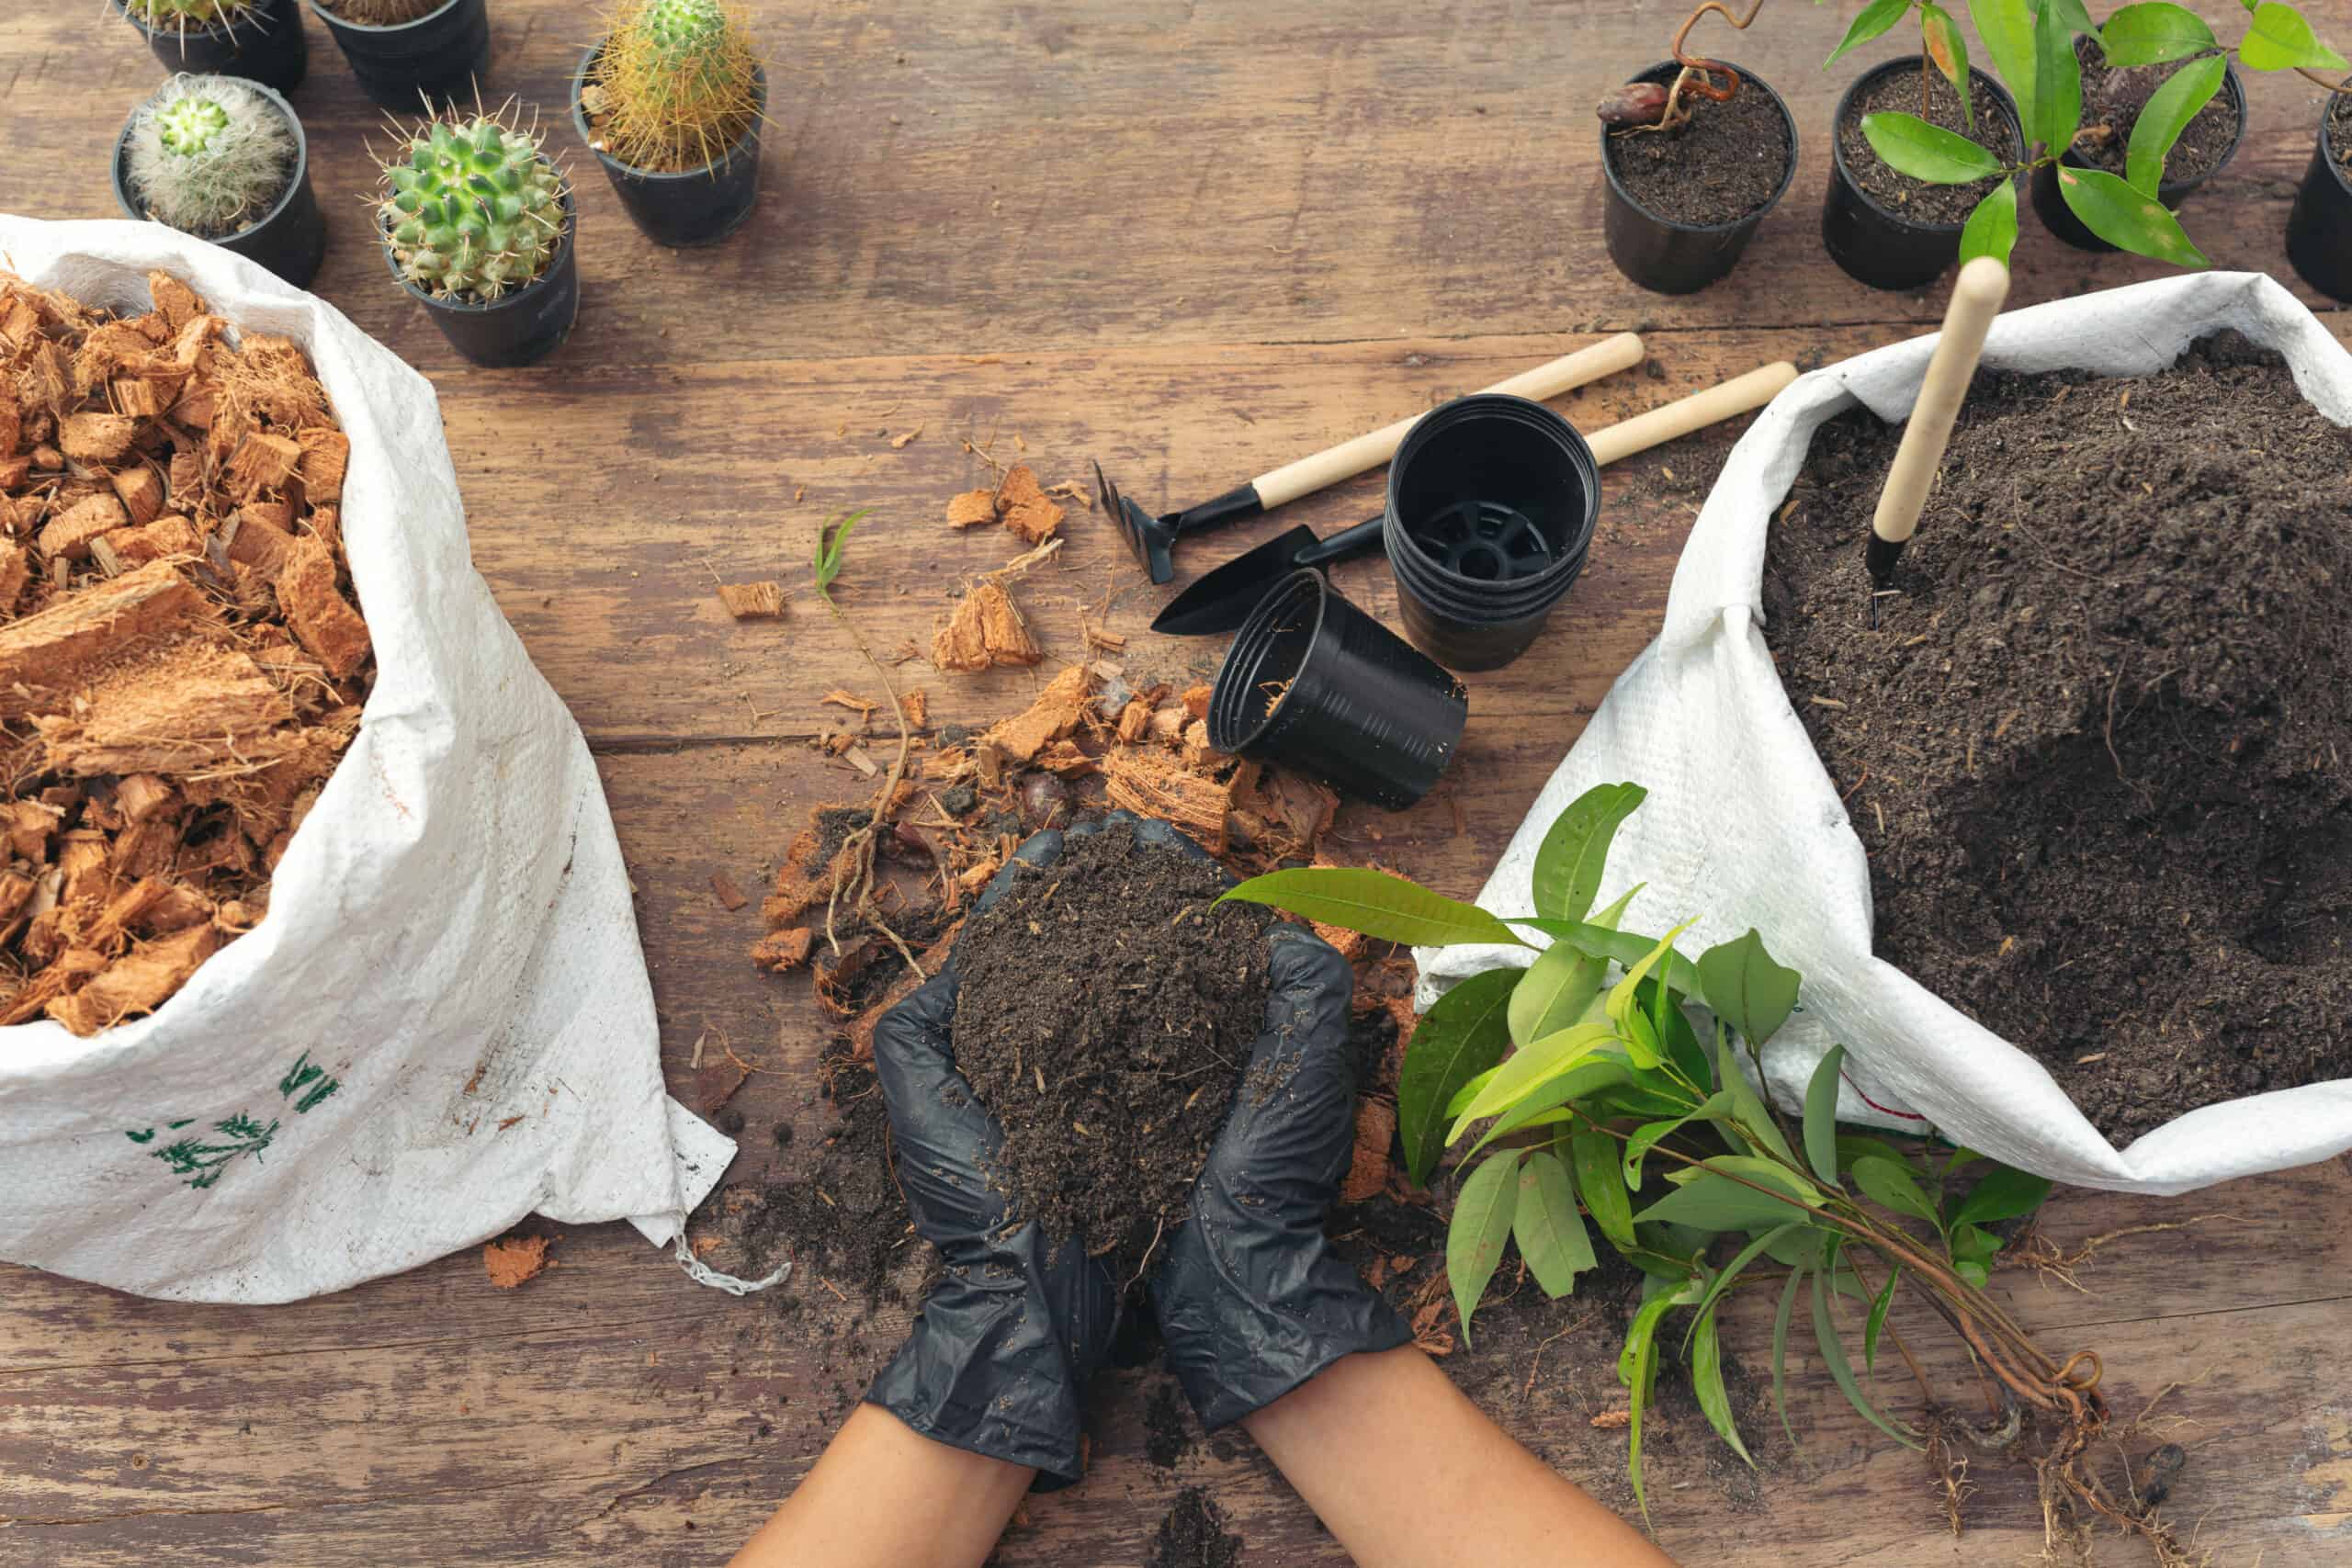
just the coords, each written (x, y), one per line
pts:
(1743, 828)
(443, 1023)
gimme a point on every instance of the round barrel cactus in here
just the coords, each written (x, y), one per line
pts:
(672, 87)
(473, 210)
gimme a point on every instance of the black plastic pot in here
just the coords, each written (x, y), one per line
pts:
(2319, 228)
(519, 327)
(1492, 502)
(698, 207)
(1874, 245)
(269, 47)
(1665, 254)
(443, 57)
(1315, 684)
(291, 239)
(2059, 218)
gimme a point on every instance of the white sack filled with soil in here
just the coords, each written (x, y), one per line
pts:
(1743, 827)
(443, 1023)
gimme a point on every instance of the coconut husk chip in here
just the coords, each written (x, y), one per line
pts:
(987, 629)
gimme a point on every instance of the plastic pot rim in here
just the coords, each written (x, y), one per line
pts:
(1251, 641)
(223, 31)
(504, 301)
(333, 20)
(741, 146)
(1787, 175)
(2328, 155)
(1502, 601)
(1838, 142)
(123, 194)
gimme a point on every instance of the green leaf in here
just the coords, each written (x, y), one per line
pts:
(2125, 218)
(1603, 1181)
(2057, 82)
(1461, 1036)
(1852, 1146)
(1707, 1382)
(1928, 152)
(1544, 1106)
(2164, 115)
(830, 538)
(1626, 994)
(1746, 989)
(2003, 1194)
(1645, 1137)
(1821, 1115)
(2006, 29)
(1636, 1367)
(1976, 1274)
(1528, 1067)
(1716, 1202)
(1559, 986)
(1549, 1231)
(1877, 18)
(1575, 852)
(1780, 1350)
(1842, 1371)
(2076, 18)
(1473, 1242)
(1388, 908)
(1992, 226)
(1754, 1116)
(2277, 39)
(1626, 948)
(1893, 1185)
(2152, 34)
(1757, 1247)
(1877, 1321)
(1974, 1244)
(1939, 36)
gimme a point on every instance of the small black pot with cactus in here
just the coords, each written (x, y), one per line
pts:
(406, 50)
(478, 223)
(258, 40)
(671, 102)
(225, 160)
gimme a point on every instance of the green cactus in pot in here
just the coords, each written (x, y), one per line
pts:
(208, 154)
(190, 15)
(676, 83)
(471, 208)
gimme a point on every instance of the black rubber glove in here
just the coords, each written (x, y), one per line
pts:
(1002, 1347)
(1250, 1299)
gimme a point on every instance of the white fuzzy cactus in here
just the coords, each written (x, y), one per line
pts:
(208, 154)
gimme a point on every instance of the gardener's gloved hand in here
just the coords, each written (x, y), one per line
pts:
(1003, 1346)
(1250, 1299)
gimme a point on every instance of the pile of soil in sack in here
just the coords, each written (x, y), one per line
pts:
(2098, 743)
(1107, 1008)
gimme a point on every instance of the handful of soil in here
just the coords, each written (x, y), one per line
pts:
(1106, 1011)
(2099, 746)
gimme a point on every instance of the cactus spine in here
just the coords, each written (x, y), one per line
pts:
(673, 85)
(190, 15)
(472, 210)
(208, 154)
(382, 13)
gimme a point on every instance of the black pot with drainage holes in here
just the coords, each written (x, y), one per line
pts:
(1492, 502)
(1313, 682)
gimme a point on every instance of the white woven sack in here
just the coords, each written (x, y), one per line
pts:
(1743, 827)
(443, 1022)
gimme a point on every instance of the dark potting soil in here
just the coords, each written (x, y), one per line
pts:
(1193, 1535)
(1726, 163)
(2339, 129)
(842, 1219)
(1104, 1014)
(2100, 745)
(2112, 99)
(1167, 1431)
(1898, 92)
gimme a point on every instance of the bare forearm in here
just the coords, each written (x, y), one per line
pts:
(1409, 1474)
(882, 1496)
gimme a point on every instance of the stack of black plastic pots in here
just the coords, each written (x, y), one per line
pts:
(266, 45)
(2319, 228)
(291, 239)
(695, 206)
(440, 58)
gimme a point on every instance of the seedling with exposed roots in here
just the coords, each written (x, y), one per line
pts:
(1641, 107)
(472, 207)
(675, 85)
(208, 154)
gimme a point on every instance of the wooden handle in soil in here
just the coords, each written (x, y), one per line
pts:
(1350, 459)
(1697, 411)
(1976, 299)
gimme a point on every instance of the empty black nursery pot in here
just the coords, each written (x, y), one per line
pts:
(1665, 254)
(443, 56)
(2319, 228)
(696, 207)
(1314, 683)
(2051, 207)
(265, 47)
(291, 239)
(518, 328)
(1492, 502)
(1873, 243)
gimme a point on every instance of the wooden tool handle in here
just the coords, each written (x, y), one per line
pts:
(1698, 411)
(1350, 459)
(1976, 298)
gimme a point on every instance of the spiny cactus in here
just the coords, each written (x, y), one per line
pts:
(208, 154)
(382, 13)
(472, 208)
(191, 16)
(672, 87)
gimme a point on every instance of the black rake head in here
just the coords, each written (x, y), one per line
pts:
(1151, 539)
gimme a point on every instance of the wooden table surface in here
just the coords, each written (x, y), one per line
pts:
(1191, 240)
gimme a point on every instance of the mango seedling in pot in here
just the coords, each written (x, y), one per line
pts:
(671, 102)
(259, 40)
(224, 160)
(408, 51)
(478, 223)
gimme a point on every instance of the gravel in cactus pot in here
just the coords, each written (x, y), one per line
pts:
(210, 155)
(474, 210)
(674, 85)
(190, 15)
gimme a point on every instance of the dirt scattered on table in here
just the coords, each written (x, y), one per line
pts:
(2112, 99)
(511, 1261)
(1913, 199)
(1107, 1007)
(1193, 1535)
(1167, 1425)
(2099, 747)
(1727, 162)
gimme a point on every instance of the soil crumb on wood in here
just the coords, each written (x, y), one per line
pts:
(1898, 92)
(2099, 746)
(1726, 163)
(842, 1220)
(513, 1261)
(1104, 1013)
(1193, 1535)
(2112, 99)
(1168, 1430)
